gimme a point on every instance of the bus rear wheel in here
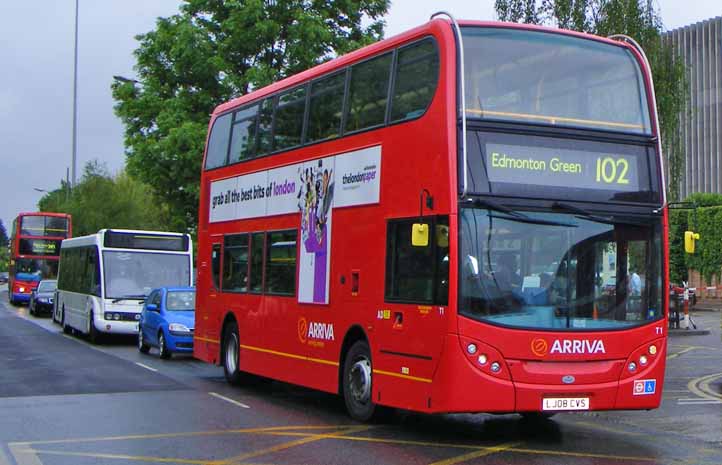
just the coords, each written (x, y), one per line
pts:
(231, 354)
(357, 383)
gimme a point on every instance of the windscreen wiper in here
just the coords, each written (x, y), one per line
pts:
(492, 205)
(586, 214)
(129, 297)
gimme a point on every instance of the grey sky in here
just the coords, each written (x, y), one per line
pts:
(36, 45)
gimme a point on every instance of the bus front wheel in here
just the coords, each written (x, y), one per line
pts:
(231, 354)
(357, 383)
(93, 335)
(66, 329)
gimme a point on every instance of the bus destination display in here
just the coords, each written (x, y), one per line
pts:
(123, 240)
(546, 166)
(39, 247)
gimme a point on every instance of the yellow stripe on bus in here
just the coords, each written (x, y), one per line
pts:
(212, 341)
(285, 354)
(399, 375)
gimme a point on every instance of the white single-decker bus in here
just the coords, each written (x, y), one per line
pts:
(104, 278)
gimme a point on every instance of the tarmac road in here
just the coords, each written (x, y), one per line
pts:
(64, 402)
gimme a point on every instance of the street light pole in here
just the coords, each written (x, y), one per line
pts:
(75, 99)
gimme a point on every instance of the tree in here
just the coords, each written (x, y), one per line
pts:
(210, 52)
(3, 236)
(639, 20)
(103, 201)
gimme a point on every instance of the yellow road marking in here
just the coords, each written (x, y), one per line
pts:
(269, 429)
(299, 442)
(286, 354)
(626, 458)
(399, 375)
(468, 446)
(700, 387)
(477, 454)
(140, 458)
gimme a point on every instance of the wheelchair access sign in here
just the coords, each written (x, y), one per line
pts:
(643, 387)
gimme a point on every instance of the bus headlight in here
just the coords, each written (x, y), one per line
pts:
(652, 350)
(495, 367)
(471, 348)
(108, 316)
(632, 366)
(643, 360)
(116, 316)
(482, 359)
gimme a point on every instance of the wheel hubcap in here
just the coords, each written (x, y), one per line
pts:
(232, 354)
(360, 381)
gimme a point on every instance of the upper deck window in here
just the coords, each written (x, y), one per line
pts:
(417, 73)
(552, 79)
(218, 142)
(51, 226)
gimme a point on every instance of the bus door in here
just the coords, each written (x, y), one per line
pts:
(214, 312)
(412, 321)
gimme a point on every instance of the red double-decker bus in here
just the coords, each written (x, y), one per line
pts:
(35, 250)
(466, 217)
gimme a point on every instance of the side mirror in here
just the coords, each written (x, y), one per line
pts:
(420, 235)
(152, 308)
(689, 241)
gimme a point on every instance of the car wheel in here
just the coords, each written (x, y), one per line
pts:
(163, 346)
(93, 334)
(357, 383)
(142, 346)
(231, 354)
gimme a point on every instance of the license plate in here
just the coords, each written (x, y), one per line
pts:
(566, 403)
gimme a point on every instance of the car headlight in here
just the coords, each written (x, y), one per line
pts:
(42, 300)
(178, 328)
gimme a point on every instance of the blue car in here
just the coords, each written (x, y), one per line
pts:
(167, 321)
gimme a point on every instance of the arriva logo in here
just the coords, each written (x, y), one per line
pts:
(312, 330)
(578, 346)
(540, 347)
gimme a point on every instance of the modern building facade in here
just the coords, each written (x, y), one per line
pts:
(700, 46)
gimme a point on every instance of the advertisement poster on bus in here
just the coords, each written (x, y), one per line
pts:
(313, 189)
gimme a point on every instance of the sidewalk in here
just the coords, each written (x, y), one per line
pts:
(703, 305)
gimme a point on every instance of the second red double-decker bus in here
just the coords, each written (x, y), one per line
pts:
(35, 250)
(462, 218)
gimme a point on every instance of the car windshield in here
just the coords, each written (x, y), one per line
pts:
(47, 286)
(559, 271)
(180, 301)
(137, 273)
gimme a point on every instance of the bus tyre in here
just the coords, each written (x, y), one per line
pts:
(163, 346)
(93, 335)
(142, 346)
(357, 383)
(231, 354)
(66, 329)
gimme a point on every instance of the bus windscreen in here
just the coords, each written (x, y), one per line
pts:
(551, 79)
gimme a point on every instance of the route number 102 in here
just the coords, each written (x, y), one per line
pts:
(611, 171)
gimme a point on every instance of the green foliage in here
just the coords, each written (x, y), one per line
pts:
(639, 20)
(705, 199)
(677, 256)
(209, 53)
(707, 258)
(104, 201)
